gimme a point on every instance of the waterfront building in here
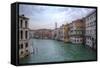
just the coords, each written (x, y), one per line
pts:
(23, 36)
(53, 34)
(31, 33)
(43, 34)
(76, 31)
(56, 33)
(66, 35)
(90, 31)
(61, 32)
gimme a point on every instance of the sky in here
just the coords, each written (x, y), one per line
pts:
(45, 17)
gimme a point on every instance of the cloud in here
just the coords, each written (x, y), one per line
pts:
(46, 16)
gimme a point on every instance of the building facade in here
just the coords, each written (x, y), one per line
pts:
(66, 35)
(56, 33)
(90, 31)
(76, 31)
(61, 32)
(23, 36)
(43, 34)
(31, 33)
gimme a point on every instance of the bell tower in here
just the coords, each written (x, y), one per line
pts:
(56, 25)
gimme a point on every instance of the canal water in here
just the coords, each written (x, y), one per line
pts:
(43, 50)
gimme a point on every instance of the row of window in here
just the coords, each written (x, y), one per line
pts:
(23, 52)
(21, 34)
(88, 42)
(21, 23)
(90, 38)
(91, 17)
(75, 32)
(91, 32)
(21, 46)
(91, 24)
(77, 40)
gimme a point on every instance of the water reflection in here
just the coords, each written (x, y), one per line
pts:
(57, 51)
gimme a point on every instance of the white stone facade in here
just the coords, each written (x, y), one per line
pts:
(23, 36)
(76, 40)
(90, 22)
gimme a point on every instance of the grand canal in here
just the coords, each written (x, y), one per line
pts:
(43, 50)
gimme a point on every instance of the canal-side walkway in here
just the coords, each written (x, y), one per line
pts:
(57, 51)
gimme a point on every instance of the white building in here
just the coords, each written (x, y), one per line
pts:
(55, 32)
(61, 33)
(90, 22)
(23, 36)
(31, 33)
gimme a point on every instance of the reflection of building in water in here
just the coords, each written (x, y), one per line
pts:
(23, 36)
(90, 22)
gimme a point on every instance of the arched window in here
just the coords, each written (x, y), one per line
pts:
(21, 34)
(26, 34)
(21, 52)
(21, 46)
(26, 45)
(25, 24)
